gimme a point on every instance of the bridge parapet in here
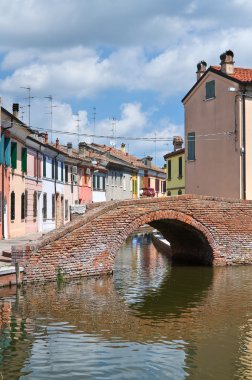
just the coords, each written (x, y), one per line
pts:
(204, 230)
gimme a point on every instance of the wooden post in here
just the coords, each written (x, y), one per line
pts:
(17, 274)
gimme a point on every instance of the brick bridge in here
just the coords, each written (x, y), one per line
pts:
(201, 230)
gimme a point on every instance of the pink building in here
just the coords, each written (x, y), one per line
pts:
(218, 118)
(33, 188)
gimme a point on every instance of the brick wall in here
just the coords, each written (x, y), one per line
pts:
(201, 230)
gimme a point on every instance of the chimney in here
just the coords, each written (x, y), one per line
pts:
(201, 69)
(227, 62)
(69, 148)
(57, 142)
(46, 138)
(82, 148)
(147, 161)
(177, 143)
(123, 149)
(15, 109)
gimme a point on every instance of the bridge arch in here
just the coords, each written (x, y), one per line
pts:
(191, 242)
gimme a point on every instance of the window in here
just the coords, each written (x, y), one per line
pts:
(191, 146)
(157, 185)
(163, 184)
(14, 155)
(53, 168)
(62, 172)
(22, 206)
(35, 204)
(12, 205)
(66, 173)
(168, 193)
(103, 183)
(66, 209)
(179, 192)
(44, 166)
(149, 182)
(44, 206)
(24, 160)
(26, 204)
(210, 89)
(180, 173)
(124, 182)
(169, 170)
(53, 206)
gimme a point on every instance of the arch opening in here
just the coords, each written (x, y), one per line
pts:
(189, 246)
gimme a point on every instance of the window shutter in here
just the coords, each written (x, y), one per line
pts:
(191, 146)
(12, 205)
(62, 172)
(180, 174)
(169, 169)
(35, 204)
(22, 206)
(53, 165)
(7, 151)
(210, 89)
(44, 166)
(24, 160)
(56, 170)
(14, 155)
(2, 150)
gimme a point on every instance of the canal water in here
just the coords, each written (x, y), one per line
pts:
(149, 320)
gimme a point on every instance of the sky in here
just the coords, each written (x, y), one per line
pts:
(114, 68)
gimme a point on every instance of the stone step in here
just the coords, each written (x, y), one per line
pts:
(5, 259)
(6, 253)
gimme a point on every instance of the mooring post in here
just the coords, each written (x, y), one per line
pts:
(17, 274)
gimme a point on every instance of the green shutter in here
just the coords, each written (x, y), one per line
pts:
(24, 160)
(14, 155)
(7, 151)
(210, 89)
(44, 166)
(191, 146)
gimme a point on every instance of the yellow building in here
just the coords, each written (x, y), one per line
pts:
(175, 168)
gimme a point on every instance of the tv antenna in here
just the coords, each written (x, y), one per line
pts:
(50, 98)
(94, 121)
(113, 130)
(29, 97)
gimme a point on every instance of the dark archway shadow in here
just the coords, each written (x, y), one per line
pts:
(189, 246)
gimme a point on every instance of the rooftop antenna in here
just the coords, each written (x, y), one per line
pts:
(113, 130)
(29, 97)
(78, 127)
(50, 98)
(94, 120)
(155, 148)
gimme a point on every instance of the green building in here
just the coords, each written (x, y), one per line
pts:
(175, 168)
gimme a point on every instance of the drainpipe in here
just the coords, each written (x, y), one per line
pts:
(243, 152)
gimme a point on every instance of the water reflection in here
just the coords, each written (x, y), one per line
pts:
(148, 321)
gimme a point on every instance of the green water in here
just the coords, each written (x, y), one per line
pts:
(148, 321)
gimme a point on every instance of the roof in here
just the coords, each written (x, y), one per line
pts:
(175, 153)
(129, 158)
(241, 75)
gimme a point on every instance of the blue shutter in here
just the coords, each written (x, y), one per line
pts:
(2, 150)
(7, 151)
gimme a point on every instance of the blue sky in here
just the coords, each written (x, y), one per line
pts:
(131, 60)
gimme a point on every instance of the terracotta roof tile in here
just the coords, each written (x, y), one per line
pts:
(241, 74)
